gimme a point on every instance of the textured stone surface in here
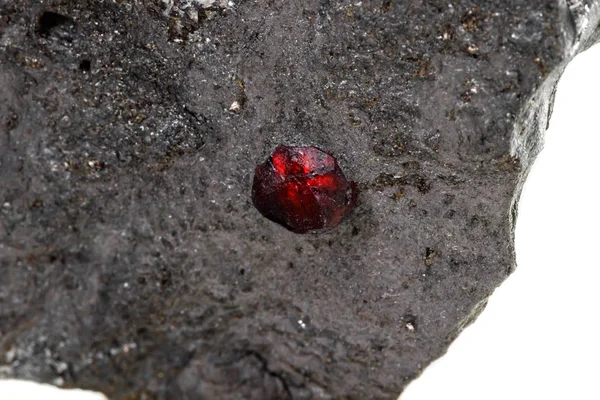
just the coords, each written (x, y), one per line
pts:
(131, 258)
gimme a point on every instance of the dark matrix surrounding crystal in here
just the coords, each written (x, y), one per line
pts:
(132, 259)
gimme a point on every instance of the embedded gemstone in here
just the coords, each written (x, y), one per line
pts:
(303, 189)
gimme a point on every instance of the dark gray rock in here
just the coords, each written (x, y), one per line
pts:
(131, 258)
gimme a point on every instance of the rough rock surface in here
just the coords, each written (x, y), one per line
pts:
(131, 258)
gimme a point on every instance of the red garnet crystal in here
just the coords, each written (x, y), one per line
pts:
(303, 189)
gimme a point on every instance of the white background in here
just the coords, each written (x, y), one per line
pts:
(539, 337)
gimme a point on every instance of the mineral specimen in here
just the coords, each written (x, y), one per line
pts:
(303, 189)
(132, 260)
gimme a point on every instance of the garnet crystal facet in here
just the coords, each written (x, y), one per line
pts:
(303, 189)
